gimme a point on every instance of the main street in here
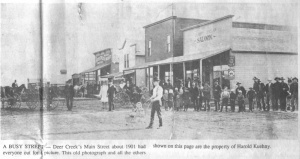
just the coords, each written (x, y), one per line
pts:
(90, 121)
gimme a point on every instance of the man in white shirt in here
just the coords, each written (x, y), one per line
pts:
(156, 103)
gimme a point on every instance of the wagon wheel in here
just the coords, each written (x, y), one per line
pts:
(54, 104)
(32, 102)
(121, 99)
(145, 100)
(144, 90)
(17, 101)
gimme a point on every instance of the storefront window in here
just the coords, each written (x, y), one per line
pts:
(168, 44)
(149, 48)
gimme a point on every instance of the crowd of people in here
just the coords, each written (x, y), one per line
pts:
(265, 96)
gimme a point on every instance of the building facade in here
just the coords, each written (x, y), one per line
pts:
(221, 50)
(105, 64)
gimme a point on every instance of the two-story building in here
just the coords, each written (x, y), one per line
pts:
(130, 54)
(220, 50)
(105, 63)
(164, 40)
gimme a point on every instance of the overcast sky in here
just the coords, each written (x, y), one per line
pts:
(72, 35)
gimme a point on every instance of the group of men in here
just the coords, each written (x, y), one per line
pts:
(273, 94)
(276, 93)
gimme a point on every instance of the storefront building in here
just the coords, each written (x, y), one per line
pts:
(130, 54)
(104, 65)
(225, 51)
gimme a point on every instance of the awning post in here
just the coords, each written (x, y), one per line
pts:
(183, 73)
(158, 71)
(200, 71)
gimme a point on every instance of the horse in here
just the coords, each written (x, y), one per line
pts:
(78, 89)
(10, 93)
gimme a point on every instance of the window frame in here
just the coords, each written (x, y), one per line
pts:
(149, 47)
(168, 43)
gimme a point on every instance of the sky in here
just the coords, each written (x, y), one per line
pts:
(72, 32)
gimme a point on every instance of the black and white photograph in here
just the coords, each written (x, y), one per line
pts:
(150, 71)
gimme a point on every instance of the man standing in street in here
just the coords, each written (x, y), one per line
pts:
(217, 95)
(194, 94)
(260, 95)
(111, 94)
(294, 92)
(276, 92)
(206, 96)
(240, 88)
(283, 94)
(269, 92)
(156, 102)
(69, 92)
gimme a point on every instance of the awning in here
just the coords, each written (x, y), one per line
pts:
(118, 74)
(95, 68)
(180, 59)
(193, 57)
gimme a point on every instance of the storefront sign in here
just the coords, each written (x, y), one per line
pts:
(245, 39)
(231, 62)
(103, 57)
(231, 74)
(207, 38)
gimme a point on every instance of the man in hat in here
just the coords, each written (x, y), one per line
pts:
(194, 94)
(111, 94)
(217, 95)
(260, 94)
(240, 88)
(294, 92)
(168, 85)
(206, 96)
(156, 102)
(69, 92)
(283, 94)
(269, 92)
(276, 93)
(250, 96)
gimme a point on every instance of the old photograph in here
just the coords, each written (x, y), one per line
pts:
(149, 71)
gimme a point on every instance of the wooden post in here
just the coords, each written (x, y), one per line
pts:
(158, 71)
(171, 73)
(135, 77)
(183, 73)
(200, 71)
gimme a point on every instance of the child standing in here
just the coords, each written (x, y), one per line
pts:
(240, 99)
(166, 99)
(232, 100)
(225, 96)
(171, 99)
(250, 96)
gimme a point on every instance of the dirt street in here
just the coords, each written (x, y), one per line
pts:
(90, 121)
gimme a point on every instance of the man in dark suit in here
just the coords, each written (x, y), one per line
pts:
(111, 94)
(260, 95)
(240, 88)
(168, 85)
(276, 93)
(69, 92)
(269, 92)
(294, 92)
(217, 95)
(194, 96)
(283, 94)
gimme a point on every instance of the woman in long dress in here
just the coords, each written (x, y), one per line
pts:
(103, 94)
